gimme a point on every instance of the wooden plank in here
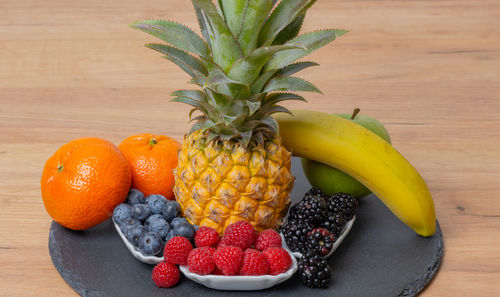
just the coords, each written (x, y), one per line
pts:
(429, 70)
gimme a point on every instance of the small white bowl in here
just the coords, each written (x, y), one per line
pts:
(240, 282)
(137, 254)
(339, 240)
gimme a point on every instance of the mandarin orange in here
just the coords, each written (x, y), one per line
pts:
(152, 159)
(83, 182)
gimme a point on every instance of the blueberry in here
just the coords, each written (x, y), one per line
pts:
(134, 234)
(186, 230)
(153, 218)
(156, 203)
(171, 210)
(150, 244)
(135, 197)
(121, 213)
(128, 224)
(177, 221)
(171, 234)
(140, 211)
(159, 226)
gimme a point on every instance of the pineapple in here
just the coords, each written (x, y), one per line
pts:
(232, 165)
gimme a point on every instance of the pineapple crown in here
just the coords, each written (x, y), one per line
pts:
(244, 63)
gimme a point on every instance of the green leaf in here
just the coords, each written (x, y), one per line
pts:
(255, 16)
(285, 13)
(196, 104)
(193, 94)
(290, 31)
(271, 122)
(234, 13)
(253, 107)
(225, 49)
(290, 83)
(218, 81)
(202, 24)
(277, 108)
(295, 67)
(193, 66)
(248, 69)
(310, 41)
(258, 85)
(274, 98)
(175, 34)
(197, 126)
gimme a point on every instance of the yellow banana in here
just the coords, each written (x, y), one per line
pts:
(365, 156)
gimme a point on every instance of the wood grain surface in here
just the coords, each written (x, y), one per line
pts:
(428, 70)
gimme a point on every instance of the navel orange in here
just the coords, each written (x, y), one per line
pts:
(152, 159)
(83, 182)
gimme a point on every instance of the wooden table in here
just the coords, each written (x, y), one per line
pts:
(429, 70)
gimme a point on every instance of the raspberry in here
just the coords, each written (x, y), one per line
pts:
(267, 238)
(200, 260)
(206, 236)
(166, 275)
(254, 263)
(279, 260)
(240, 234)
(177, 250)
(228, 259)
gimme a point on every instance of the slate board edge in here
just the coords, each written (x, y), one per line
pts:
(55, 255)
(423, 280)
(412, 290)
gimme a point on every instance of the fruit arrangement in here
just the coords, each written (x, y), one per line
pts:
(240, 252)
(213, 203)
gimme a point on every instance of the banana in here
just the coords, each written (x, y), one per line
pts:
(365, 156)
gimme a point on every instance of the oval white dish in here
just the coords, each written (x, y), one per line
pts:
(137, 254)
(240, 282)
(339, 240)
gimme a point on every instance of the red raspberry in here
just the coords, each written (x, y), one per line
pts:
(166, 275)
(206, 236)
(267, 238)
(240, 234)
(177, 250)
(279, 260)
(228, 259)
(254, 263)
(200, 260)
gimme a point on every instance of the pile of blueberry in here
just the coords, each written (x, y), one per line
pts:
(149, 222)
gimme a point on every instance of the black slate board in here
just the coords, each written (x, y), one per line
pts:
(380, 257)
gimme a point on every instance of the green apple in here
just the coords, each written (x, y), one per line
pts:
(331, 180)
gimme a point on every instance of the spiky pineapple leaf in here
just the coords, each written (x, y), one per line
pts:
(204, 108)
(274, 98)
(193, 66)
(193, 94)
(225, 49)
(285, 13)
(218, 78)
(261, 81)
(290, 31)
(271, 122)
(255, 16)
(310, 41)
(202, 24)
(290, 83)
(295, 67)
(234, 13)
(248, 69)
(175, 34)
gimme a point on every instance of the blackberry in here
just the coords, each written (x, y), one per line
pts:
(312, 208)
(344, 204)
(320, 241)
(334, 223)
(314, 271)
(295, 233)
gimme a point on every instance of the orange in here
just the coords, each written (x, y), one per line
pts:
(83, 182)
(152, 159)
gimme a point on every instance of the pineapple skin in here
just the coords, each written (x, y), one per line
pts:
(217, 184)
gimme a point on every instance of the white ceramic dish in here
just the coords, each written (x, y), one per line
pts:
(240, 282)
(138, 255)
(218, 282)
(339, 240)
